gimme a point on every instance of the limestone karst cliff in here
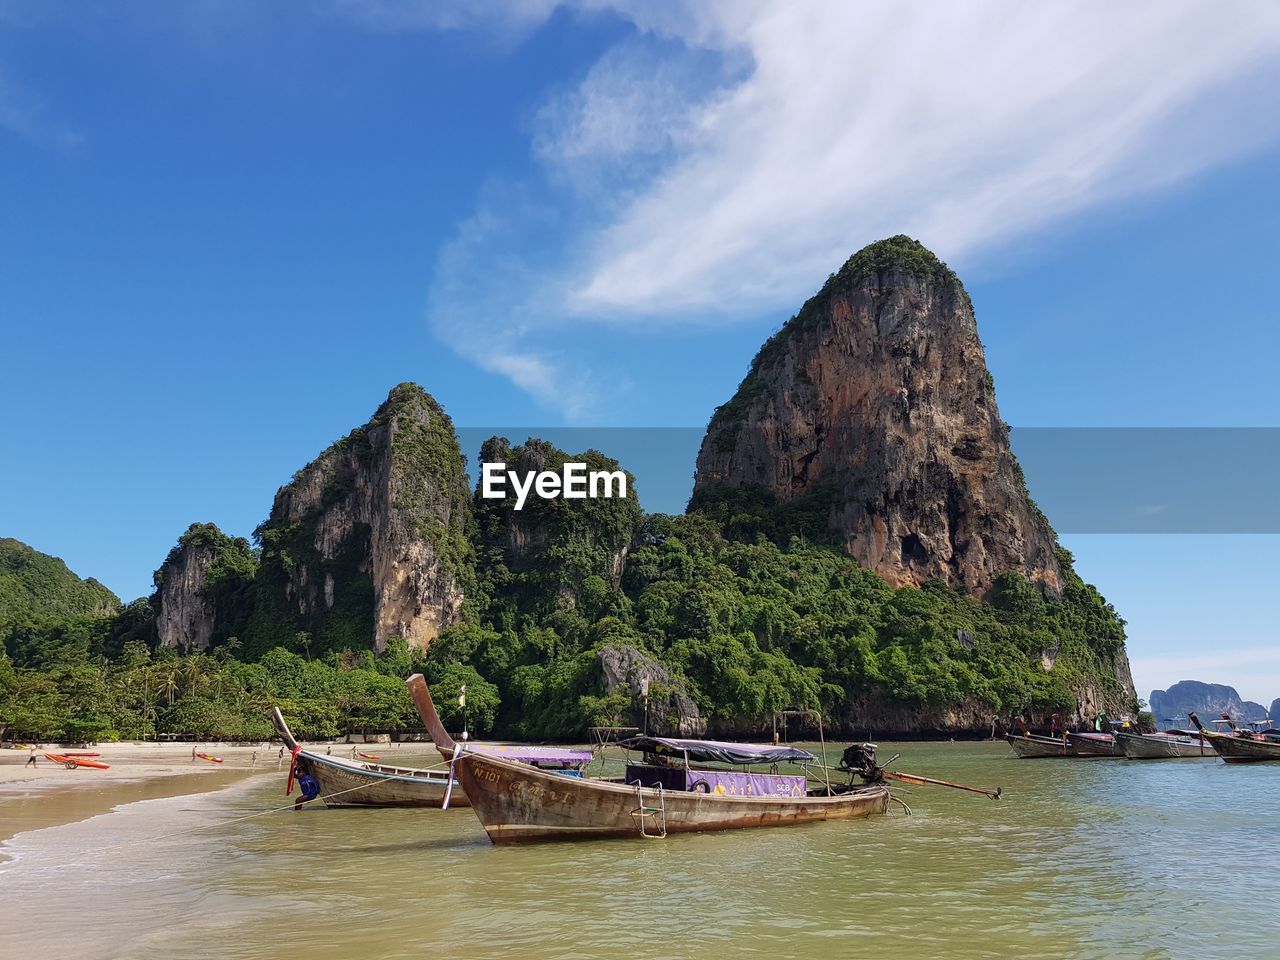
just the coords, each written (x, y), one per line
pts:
(560, 541)
(369, 541)
(872, 410)
(1209, 700)
(203, 589)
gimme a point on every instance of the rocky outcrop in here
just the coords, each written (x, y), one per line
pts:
(185, 612)
(1206, 699)
(202, 589)
(671, 711)
(370, 537)
(873, 410)
(1274, 712)
(559, 541)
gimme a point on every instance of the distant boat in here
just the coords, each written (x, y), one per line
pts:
(1171, 744)
(518, 803)
(358, 783)
(1030, 746)
(1095, 744)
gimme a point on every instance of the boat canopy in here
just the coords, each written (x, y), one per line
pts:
(525, 753)
(717, 750)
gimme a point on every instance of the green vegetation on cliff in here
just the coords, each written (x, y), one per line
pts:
(743, 608)
(34, 584)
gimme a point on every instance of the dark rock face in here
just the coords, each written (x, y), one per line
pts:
(1274, 713)
(185, 613)
(1206, 699)
(384, 510)
(671, 711)
(873, 408)
(203, 589)
(559, 541)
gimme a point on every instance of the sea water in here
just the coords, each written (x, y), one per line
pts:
(1097, 858)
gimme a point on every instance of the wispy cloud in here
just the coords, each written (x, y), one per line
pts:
(964, 125)
(725, 158)
(509, 19)
(24, 114)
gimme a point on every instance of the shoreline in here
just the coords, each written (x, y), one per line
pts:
(49, 795)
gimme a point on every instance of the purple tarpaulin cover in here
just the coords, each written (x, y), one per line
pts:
(733, 784)
(531, 754)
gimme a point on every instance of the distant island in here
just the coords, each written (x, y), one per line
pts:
(860, 541)
(1208, 700)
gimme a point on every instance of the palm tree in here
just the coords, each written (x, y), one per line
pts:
(171, 686)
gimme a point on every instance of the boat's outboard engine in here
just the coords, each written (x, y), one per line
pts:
(859, 759)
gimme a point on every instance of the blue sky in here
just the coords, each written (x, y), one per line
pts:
(226, 231)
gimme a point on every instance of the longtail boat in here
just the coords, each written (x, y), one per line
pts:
(1171, 744)
(358, 783)
(518, 803)
(1241, 746)
(1095, 745)
(1030, 746)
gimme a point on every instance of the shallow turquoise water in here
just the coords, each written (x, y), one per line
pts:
(1107, 858)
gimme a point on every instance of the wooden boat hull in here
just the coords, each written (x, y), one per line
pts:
(1035, 748)
(1094, 746)
(517, 803)
(350, 784)
(1236, 749)
(355, 783)
(1154, 747)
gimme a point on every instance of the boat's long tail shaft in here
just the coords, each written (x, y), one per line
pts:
(930, 781)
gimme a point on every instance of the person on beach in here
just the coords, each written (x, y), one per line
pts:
(31, 759)
(193, 753)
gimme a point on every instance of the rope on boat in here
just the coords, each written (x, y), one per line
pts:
(901, 801)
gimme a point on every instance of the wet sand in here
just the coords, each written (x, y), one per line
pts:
(48, 794)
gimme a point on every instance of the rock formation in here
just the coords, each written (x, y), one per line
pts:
(1209, 700)
(557, 539)
(670, 711)
(203, 589)
(186, 612)
(873, 409)
(369, 540)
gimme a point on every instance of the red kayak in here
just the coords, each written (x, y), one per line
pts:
(71, 760)
(211, 759)
(369, 756)
(80, 753)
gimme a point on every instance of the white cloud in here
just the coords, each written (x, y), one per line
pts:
(728, 156)
(492, 298)
(964, 125)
